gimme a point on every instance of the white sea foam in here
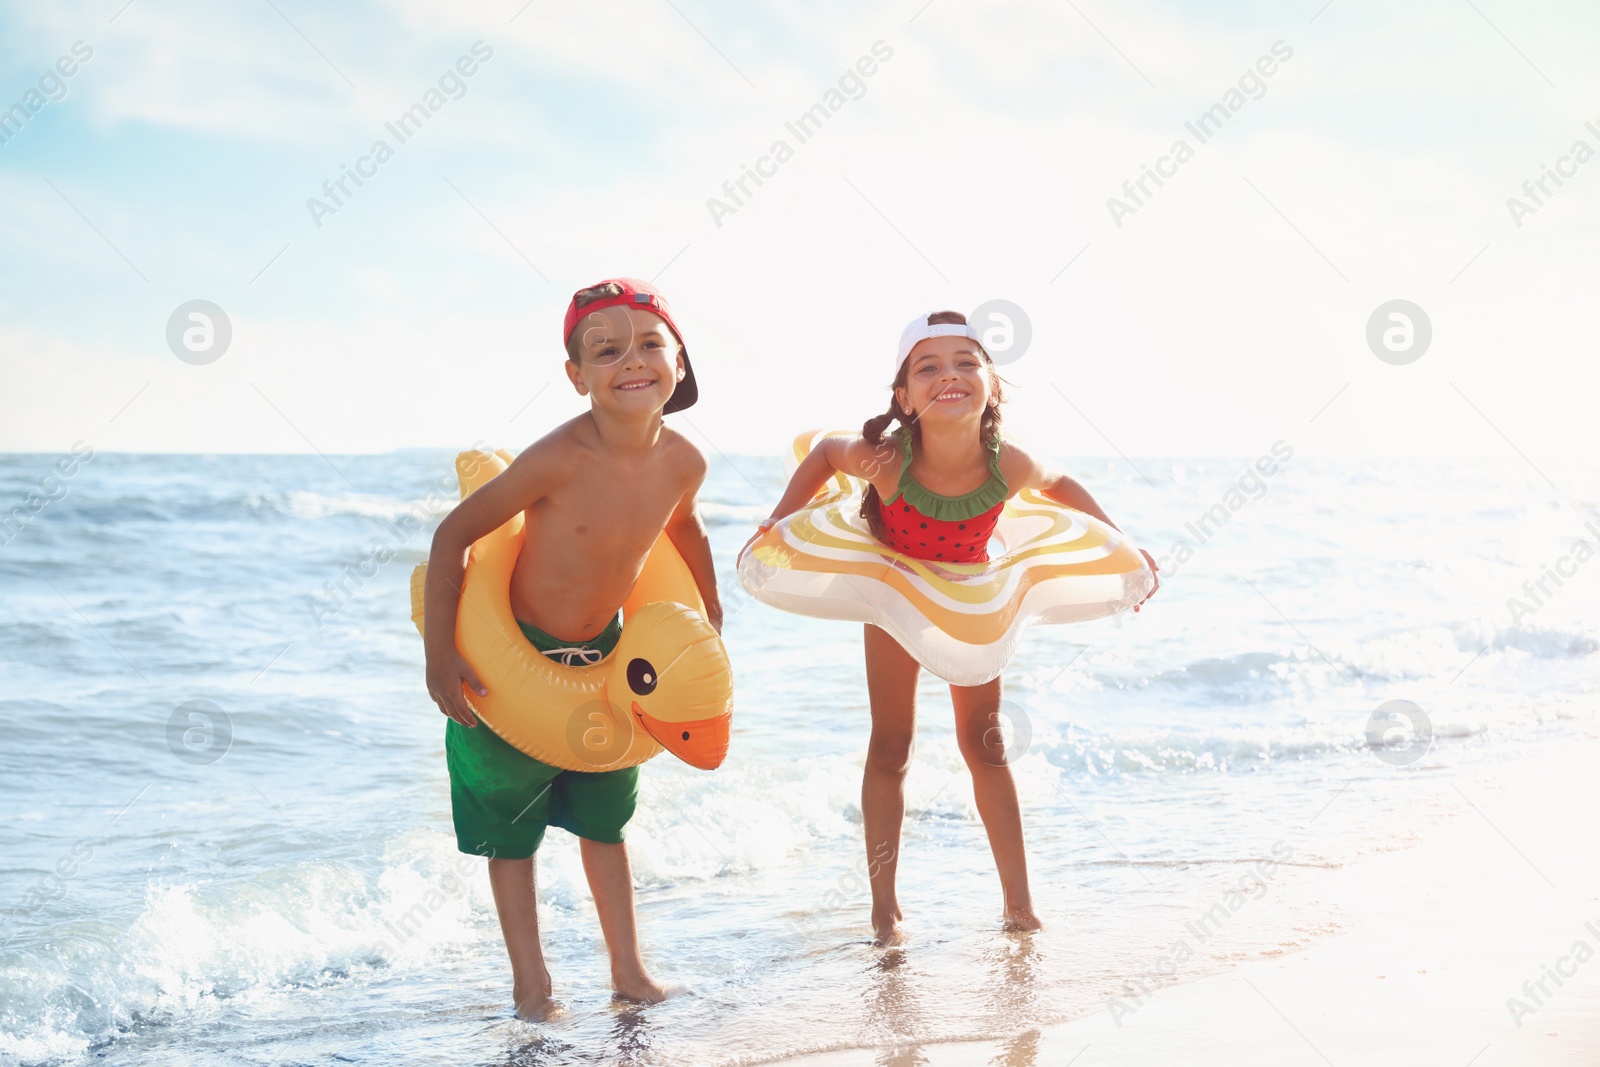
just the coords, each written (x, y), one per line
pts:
(307, 505)
(721, 514)
(192, 948)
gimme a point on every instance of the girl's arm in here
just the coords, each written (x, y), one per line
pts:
(688, 535)
(1064, 490)
(852, 455)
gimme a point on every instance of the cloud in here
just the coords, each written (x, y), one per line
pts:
(977, 164)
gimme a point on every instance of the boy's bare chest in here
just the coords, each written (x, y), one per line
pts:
(607, 516)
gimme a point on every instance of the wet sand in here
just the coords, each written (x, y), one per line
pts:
(1478, 946)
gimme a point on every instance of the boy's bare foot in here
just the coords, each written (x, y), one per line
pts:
(536, 1005)
(1021, 920)
(886, 929)
(638, 988)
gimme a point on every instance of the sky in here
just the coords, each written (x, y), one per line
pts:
(1368, 156)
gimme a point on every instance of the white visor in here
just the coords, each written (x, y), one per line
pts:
(919, 330)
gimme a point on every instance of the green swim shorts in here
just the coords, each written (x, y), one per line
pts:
(501, 800)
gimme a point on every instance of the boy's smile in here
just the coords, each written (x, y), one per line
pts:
(628, 360)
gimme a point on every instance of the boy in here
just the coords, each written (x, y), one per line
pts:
(596, 493)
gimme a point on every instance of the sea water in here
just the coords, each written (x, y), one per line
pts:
(227, 823)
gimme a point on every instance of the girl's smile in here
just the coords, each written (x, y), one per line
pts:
(946, 374)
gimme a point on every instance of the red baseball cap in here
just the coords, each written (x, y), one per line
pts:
(631, 292)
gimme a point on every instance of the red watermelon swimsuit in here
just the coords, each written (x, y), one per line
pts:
(949, 529)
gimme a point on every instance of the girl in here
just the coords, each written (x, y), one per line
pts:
(936, 488)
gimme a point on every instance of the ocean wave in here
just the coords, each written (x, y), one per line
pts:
(304, 505)
(1544, 642)
(1423, 654)
(192, 948)
(82, 514)
(1323, 735)
(1224, 752)
(714, 513)
(691, 828)
(301, 504)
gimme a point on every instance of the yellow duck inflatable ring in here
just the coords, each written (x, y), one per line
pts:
(667, 684)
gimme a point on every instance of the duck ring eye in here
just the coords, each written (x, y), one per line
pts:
(641, 677)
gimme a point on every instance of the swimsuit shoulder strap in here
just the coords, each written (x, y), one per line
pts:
(951, 508)
(994, 465)
(903, 435)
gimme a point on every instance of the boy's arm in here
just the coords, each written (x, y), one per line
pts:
(688, 535)
(1022, 471)
(497, 500)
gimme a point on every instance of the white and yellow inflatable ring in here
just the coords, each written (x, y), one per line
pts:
(960, 621)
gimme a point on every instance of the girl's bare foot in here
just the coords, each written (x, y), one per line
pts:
(535, 1005)
(889, 935)
(1021, 920)
(886, 929)
(638, 988)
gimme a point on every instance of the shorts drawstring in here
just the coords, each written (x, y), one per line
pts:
(566, 656)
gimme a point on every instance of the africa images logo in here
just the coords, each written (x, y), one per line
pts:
(1206, 126)
(453, 82)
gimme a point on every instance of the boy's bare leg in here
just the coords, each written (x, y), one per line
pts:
(892, 692)
(611, 882)
(982, 745)
(514, 899)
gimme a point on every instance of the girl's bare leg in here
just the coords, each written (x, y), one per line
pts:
(983, 746)
(892, 692)
(514, 900)
(611, 882)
